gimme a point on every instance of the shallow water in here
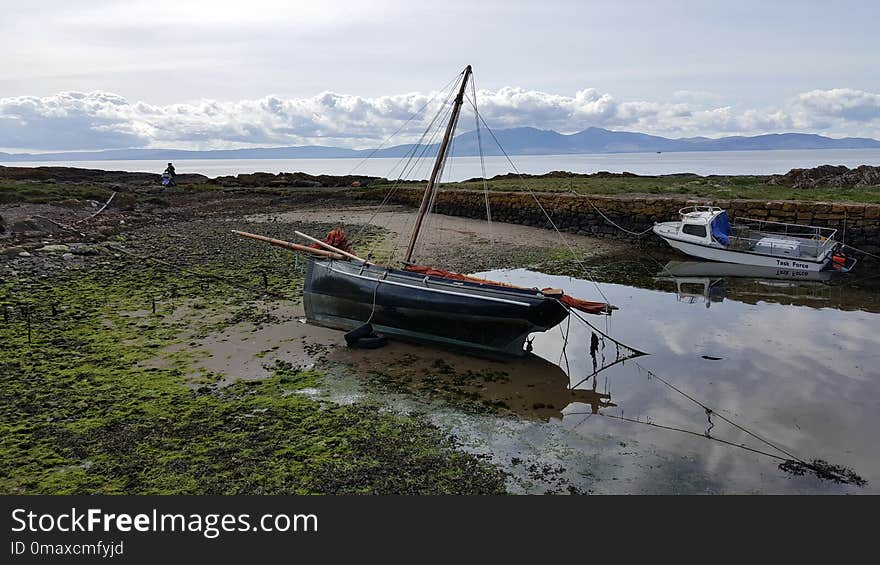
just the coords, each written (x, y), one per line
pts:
(796, 363)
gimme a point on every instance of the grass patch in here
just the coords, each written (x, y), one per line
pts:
(723, 187)
(42, 193)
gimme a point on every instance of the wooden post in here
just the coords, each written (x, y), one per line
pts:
(438, 166)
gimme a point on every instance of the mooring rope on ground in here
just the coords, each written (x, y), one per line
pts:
(101, 209)
(608, 220)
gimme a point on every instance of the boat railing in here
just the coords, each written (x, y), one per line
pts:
(808, 247)
(771, 227)
(698, 209)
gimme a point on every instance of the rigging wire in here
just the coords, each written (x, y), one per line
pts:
(482, 160)
(409, 157)
(411, 118)
(541, 206)
(421, 162)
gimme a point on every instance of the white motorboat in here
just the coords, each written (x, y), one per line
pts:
(707, 232)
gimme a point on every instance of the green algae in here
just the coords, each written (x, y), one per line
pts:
(83, 410)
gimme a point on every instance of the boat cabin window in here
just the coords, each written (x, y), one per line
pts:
(694, 229)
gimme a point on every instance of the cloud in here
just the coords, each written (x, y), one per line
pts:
(97, 120)
(69, 120)
(842, 103)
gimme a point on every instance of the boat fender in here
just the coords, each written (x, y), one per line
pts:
(363, 337)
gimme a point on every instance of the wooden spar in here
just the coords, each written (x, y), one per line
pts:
(438, 166)
(331, 248)
(288, 245)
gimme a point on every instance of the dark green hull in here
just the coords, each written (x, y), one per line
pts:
(480, 318)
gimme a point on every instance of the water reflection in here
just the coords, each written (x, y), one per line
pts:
(707, 282)
(532, 388)
(795, 361)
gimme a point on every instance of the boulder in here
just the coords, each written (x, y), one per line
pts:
(828, 175)
(54, 248)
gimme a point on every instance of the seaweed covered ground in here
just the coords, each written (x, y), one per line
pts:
(85, 407)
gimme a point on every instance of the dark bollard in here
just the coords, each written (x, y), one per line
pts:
(28, 317)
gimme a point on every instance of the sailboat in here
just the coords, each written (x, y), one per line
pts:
(427, 304)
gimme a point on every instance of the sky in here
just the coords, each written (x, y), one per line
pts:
(86, 74)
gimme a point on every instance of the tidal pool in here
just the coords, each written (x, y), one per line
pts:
(788, 367)
(794, 363)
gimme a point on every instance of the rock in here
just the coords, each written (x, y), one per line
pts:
(54, 248)
(829, 175)
(2, 225)
(68, 256)
(87, 250)
(33, 226)
(24, 254)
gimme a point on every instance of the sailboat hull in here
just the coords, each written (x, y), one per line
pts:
(479, 318)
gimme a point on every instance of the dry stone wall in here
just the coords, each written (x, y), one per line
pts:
(859, 224)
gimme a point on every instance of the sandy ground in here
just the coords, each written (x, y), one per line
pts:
(443, 239)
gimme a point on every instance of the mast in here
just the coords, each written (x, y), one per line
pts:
(438, 165)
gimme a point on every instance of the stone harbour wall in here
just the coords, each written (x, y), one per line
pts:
(857, 224)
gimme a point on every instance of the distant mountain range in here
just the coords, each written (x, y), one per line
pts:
(516, 141)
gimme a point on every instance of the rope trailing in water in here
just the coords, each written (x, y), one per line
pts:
(604, 334)
(821, 468)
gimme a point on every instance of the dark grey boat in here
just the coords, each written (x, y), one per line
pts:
(344, 291)
(483, 318)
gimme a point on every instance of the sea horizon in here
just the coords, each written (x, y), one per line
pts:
(762, 162)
